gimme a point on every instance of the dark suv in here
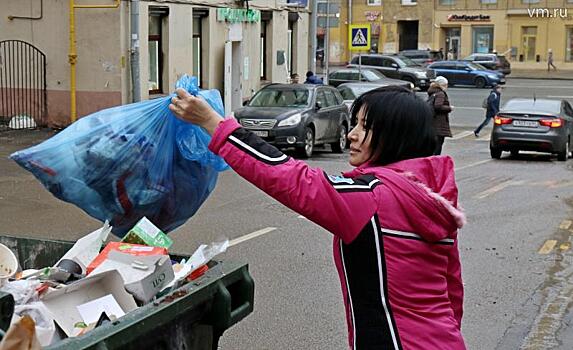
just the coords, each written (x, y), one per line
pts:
(297, 116)
(491, 61)
(423, 57)
(397, 67)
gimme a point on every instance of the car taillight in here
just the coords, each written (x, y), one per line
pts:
(501, 120)
(552, 123)
(429, 61)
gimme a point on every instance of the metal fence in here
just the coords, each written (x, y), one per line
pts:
(23, 103)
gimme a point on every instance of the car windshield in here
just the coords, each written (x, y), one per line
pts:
(284, 97)
(416, 54)
(406, 62)
(350, 93)
(531, 105)
(372, 75)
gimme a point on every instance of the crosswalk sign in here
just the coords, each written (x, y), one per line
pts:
(359, 37)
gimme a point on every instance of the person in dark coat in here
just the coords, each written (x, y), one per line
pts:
(439, 100)
(492, 107)
(311, 78)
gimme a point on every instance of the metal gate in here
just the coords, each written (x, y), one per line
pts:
(23, 103)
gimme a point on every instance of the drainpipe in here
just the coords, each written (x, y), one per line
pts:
(72, 56)
(135, 80)
(313, 40)
(348, 26)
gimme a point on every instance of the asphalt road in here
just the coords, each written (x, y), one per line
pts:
(515, 249)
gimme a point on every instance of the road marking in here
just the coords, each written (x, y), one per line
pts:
(565, 224)
(497, 188)
(547, 246)
(570, 96)
(462, 134)
(539, 86)
(472, 164)
(251, 236)
(565, 246)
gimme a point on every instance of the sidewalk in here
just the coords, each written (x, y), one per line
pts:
(559, 74)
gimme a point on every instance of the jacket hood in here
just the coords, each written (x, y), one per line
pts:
(433, 89)
(426, 191)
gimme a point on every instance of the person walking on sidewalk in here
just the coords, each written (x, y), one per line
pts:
(440, 103)
(394, 218)
(550, 60)
(492, 107)
(311, 78)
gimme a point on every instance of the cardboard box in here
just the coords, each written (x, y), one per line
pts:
(127, 248)
(146, 233)
(62, 303)
(144, 276)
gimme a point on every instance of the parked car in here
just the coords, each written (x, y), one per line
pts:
(467, 73)
(491, 61)
(349, 75)
(298, 116)
(397, 67)
(422, 57)
(351, 91)
(540, 125)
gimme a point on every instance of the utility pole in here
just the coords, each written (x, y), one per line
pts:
(327, 42)
(313, 40)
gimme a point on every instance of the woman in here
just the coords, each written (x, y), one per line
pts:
(439, 100)
(394, 217)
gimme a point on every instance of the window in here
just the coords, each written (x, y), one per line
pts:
(530, 1)
(197, 48)
(447, 2)
(321, 98)
(263, 49)
(409, 2)
(330, 98)
(376, 2)
(155, 84)
(347, 94)
(569, 44)
(488, 1)
(333, 22)
(483, 40)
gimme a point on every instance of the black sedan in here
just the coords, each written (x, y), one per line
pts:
(297, 116)
(533, 125)
(352, 75)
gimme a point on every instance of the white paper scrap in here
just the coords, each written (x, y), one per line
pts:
(92, 310)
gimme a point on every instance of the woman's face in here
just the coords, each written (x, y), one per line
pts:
(359, 147)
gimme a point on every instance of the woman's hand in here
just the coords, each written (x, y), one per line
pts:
(194, 110)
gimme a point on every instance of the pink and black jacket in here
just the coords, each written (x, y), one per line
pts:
(395, 238)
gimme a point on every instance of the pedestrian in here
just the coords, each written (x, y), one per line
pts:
(311, 78)
(550, 60)
(450, 55)
(394, 218)
(492, 104)
(440, 103)
(294, 79)
(441, 54)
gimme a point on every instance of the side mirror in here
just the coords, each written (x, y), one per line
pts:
(318, 105)
(394, 65)
(246, 102)
(468, 69)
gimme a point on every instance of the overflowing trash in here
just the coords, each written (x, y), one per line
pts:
(96, 282)
(131, 161)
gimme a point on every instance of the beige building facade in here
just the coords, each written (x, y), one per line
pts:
(226, 46)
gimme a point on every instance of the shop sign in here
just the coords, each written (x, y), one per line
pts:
(469, 18)
(238, 15)
(371, 16)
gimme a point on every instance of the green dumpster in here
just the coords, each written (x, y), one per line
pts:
(191, 317)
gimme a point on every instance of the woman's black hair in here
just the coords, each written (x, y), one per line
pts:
(400, 123)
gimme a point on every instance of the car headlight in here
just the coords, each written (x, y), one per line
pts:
(493, 76)
(420, 74)
(292, 120)
(412, 86)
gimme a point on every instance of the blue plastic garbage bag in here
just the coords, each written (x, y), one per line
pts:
(123, 163)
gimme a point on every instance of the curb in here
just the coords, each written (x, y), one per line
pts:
(540, 78)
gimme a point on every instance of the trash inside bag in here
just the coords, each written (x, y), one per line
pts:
(123, 163)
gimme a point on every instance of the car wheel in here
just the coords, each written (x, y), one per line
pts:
(495, 153)
(564, 154)
(308, 148)
(514, 153)
(338, 147)
(480, 82)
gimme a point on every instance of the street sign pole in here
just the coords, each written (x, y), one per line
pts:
(359, 66)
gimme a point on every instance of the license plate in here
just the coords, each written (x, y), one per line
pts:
(525, 123)
(261, 133)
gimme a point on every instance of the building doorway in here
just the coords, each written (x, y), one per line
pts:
(233, 96)
(528, 40)
(453, 42)
(407, 35)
